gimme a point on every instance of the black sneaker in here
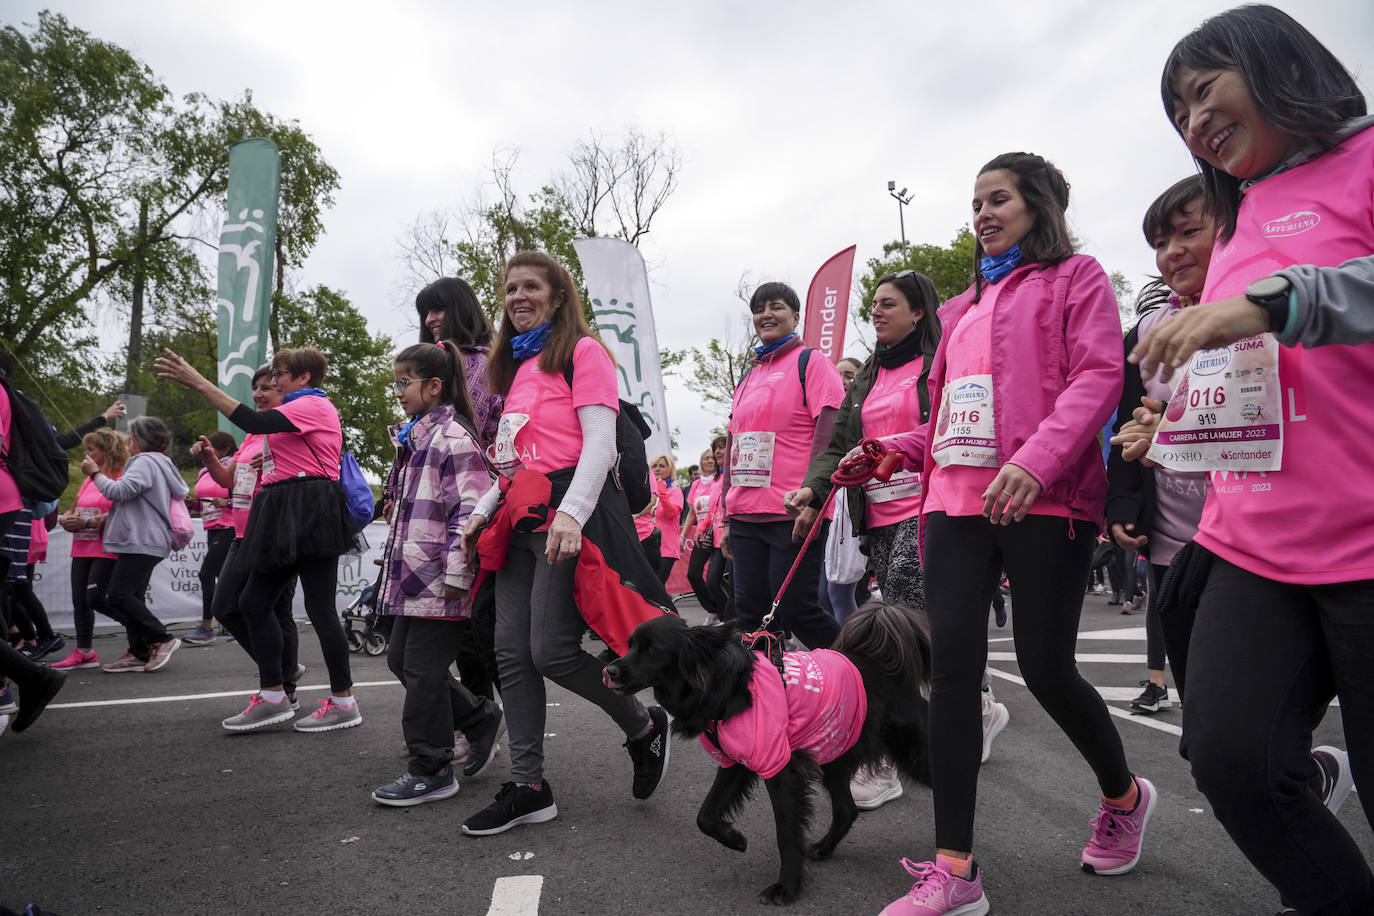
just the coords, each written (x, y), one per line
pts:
(482, 746)
(514, 805)
(36, 696)
(650, 754)
(1153, 699)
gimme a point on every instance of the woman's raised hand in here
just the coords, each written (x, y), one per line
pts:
(173, 367)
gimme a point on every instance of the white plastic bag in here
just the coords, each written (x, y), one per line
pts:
(844, 563)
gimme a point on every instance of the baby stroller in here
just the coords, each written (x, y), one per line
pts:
(367, 631)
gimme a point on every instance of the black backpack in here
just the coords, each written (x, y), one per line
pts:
(32, 456)
(631, 468)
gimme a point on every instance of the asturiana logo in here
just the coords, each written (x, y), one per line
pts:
(1293, 224)
(1210, 362)
(969, 393)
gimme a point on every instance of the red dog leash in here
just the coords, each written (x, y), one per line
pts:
(874, 461)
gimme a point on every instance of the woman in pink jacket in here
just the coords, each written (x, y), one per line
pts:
(1025, 376)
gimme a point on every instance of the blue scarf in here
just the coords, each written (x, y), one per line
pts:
(761, 352)
(403, 436)
(531, 342)
(304, 392)
(995, 268)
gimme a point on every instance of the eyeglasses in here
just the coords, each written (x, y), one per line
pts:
(399, 386)
(278, 373)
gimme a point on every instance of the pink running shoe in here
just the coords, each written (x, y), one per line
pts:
(939, 892)
(79, 658)
(1118, 835)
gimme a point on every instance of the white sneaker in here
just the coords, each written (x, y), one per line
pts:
(995, 718)
(1337, 777)
(875, 787)
(712, 620)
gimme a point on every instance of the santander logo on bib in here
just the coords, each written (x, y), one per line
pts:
(1293, 224)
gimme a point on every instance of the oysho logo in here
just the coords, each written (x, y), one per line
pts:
(1293, 224)
(1210, 362)
(969, 393)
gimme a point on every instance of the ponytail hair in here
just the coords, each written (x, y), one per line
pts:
(443, 361)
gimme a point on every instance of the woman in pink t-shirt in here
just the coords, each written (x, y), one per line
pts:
(1283, 559)
(888, 396)
(91, 564)
(298, 528)
(1025, 376)
(697, 537)
(667, 514)
(240, 476)
(558, 435)
(780, 417)
(210, 500)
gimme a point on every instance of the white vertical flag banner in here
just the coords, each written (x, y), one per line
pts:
(618, 286)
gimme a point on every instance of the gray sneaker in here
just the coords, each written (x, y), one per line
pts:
(161, 653)
(330, 717)
(259, 714)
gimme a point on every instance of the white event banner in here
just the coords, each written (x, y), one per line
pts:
(174, 592)
(618, 286)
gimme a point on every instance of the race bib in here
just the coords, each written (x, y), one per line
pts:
(751, 460)
(86, 513)
(210, 513)
(245, 482)
(269, 466)
(1226, 413)
(502, 453)
(899, 486)
(964, 430)
(701, 505)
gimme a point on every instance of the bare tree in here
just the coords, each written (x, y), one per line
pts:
(425, 253)
(632, 177)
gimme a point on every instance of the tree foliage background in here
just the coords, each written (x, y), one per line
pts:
(111, 196)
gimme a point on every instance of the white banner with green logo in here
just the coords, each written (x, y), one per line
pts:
(618, 287)
(247, 243)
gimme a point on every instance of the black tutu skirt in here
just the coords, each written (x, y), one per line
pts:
(297, 519)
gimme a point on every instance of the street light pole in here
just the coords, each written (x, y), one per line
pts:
(903, 198)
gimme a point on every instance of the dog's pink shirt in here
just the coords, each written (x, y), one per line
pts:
(821, 712)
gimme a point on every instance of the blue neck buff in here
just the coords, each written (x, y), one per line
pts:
(304, 392)
(403, 436)
(531, 342)
(761, 352)
(995, 268)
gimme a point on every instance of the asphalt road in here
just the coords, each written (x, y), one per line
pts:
(128, 797)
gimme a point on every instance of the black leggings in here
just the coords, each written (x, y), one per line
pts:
(25, 601)
(124, 602)
(1266, 658)
(665, 568)
(720, 574)
(696, 574)
(90, 581)
(232, 578)
(1046, 559)
(1154, 627)
(218, 541)
(319, 582)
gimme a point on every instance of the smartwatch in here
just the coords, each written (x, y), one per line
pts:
(1272, 294)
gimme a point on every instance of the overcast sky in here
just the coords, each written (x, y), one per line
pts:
(791, 117)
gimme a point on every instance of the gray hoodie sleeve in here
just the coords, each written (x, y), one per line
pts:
(1330, 305)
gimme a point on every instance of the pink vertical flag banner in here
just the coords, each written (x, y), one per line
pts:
(826, 314)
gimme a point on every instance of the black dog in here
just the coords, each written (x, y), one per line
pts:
(701, 675)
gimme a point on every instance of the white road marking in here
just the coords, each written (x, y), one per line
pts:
(1119, 713)
(133, 701)
(516, 896)
(1081, 657)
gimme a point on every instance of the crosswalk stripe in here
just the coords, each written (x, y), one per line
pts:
(1081, 657)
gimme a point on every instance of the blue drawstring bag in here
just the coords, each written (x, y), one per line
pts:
(357, 494)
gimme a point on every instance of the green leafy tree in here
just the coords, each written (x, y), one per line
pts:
(105, 179)
(359, 375)
(949, 267)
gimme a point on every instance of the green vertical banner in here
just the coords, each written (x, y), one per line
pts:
(247, 244)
